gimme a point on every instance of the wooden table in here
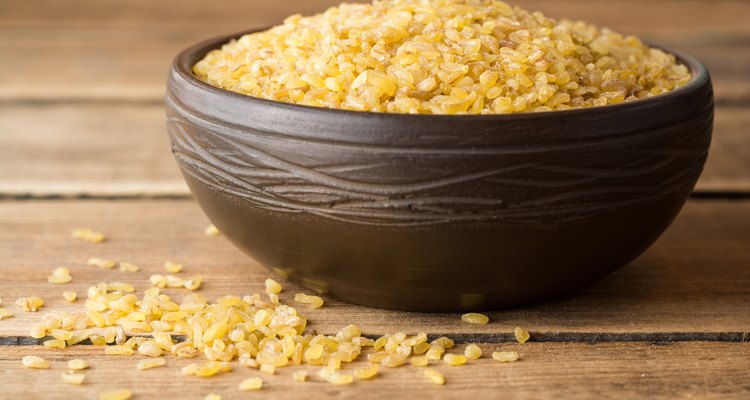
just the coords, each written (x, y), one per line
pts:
(82, 143)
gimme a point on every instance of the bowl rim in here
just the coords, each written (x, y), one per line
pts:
(183, 63)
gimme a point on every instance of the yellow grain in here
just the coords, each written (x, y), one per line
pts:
(172, 268)
(299, 376)
(101, 263)
(118, 350)
(70, 296)
(254, 383)
(434, 376)
(123, 394)
(473, 352)
(129, 267)
(151, 363)
(522, 335)
(88, 235)
(475, 318)
(505, 356)
(59, 276)
(73, 378)
(454, 359)
(30, 304)
(5, 313)
(272, 287)
(35, 362)
(419, 361)
(78, 364)
(440, 57)
(368, 372)
(211, 230)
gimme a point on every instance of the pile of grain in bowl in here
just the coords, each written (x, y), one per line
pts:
(441, 57)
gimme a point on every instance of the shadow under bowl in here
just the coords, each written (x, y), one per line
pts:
(438, 213)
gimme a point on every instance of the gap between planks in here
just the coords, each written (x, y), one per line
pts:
(501, 338)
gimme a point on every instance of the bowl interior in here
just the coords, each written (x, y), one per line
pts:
(184, 62)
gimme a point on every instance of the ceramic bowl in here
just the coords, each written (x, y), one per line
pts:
(438, 213)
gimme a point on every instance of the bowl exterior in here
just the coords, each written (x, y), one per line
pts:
(438, 213)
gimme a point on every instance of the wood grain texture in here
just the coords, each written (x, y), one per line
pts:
(81, 87)
(122, 150)
(547, 370)
(694, 279)
(111, 50)
(103, 97)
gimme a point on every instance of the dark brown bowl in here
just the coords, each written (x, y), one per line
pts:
(438, 213)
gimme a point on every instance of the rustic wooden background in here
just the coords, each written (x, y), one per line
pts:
(82, 143)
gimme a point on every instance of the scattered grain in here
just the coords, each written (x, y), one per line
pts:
(158, 280)
(4, 313)
(87, 235)
(505, 356)
(299, 376)
(172, 268)
(54, 343)
(420, 361)
(129, 267)
(73, 378)
(118, 350)
(151, 363)
(473, 352)
(211, 230)
(150, 348)
(522, 335)
(434, 376)
(30, 304)
(334, 377)
(123, 394)
(59, 276)
(313, 301)
(272, 287)
(254, 383)
(35, 362)
(454, 359)
(70, 296)
(368, 372)
(193, 283)
(268, 369)
(101, 263)
(475, 318)
(78, 364)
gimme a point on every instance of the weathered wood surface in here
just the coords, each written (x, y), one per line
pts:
(693, 284)
(119, 50)
(81, 84)
(102, 65)
(694, 370)
(122, 150)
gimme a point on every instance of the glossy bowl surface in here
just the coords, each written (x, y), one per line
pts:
(438, 213)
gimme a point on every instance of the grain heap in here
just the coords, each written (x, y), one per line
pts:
(255, 331)
(441, 57)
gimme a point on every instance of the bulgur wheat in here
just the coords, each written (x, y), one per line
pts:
(441, 57)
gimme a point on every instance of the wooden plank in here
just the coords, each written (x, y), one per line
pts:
(547, 370)
(122, 150)
(714, 15)
(123, 50)
(694, 282)
(110, 149)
